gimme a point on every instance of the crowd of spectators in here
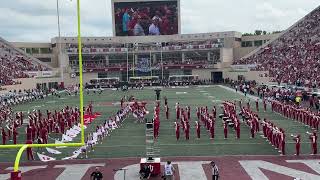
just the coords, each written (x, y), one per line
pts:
(94, 65)
(146, 19)
(18, 97)
(14, 65)
(87, 48)
(293, 58)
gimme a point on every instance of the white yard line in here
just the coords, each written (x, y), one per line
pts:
(239, 92)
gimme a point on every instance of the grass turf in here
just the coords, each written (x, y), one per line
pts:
(129, 140)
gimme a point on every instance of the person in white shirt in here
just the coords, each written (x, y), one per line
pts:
(169, 171)
(154, 28)
(138, 29)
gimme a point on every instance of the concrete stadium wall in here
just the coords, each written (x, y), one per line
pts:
(226, 57)
(204, 74)
(68, 80)
(240, 52)
(258, 76)
(26, 83)
(148, 39)
(31, 83)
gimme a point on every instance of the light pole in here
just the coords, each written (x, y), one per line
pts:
(127, 62)
(150, 62)
(161, 61)
(59, 48)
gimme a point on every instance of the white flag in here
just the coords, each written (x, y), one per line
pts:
(53, 151)
(66, 138)
(84, 126)
(71, 134)
(59, 142)
(76, 132)
(76, 128)
(74, 156)
(45, 158)
(78, 151)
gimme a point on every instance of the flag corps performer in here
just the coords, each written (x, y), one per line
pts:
(313, 137)
(297, 140)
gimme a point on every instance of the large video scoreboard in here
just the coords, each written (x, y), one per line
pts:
(146, 17)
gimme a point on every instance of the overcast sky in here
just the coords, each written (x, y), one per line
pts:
(36, 21)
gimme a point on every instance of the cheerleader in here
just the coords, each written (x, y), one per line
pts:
(103, 131)
(90, 142)
(99, 134)
(83, 151)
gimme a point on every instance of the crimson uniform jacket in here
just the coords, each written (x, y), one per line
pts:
(29, 133)
(225, 129)
(4, 136)
(297, 141)
(167, 112)
(178, 112)
(212, 129)
(43, 133)
(198, 126)
(177, 128)
(15, 134)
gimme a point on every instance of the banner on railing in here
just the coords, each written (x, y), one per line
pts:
(143, 65)
(40, 73)
(243, 67)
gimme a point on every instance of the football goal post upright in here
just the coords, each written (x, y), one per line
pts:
(16, 174)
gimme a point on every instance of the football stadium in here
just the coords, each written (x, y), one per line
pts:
(151, 102)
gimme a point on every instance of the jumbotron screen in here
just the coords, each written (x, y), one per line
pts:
(146, 18)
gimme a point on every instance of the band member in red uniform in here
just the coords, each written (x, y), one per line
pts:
(21, 118)
(225, 130)
(48, 114)
(29, 150)
(33, 131)
(44, 135)
(177, 129)
(252, 128)
(264, 105)
(39, 115)
(29, 132)
(198, 126)
(177, 111)
(62, 124)
(4, 136)
(188, 112)
(214, 112)
(91, 108)
(15, 135)
(282, 142)
(313, 137)
(51, 123)
(237, 127)
(211, 130)
(198, 113)
(167, 111)
(156, 126)
(257, 105)
(187, 130)
(297, 140)
(56, 128)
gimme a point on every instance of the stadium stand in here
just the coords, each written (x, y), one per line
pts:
(293, 58)
(15, 64)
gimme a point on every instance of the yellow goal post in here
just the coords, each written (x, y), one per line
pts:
(25, 146)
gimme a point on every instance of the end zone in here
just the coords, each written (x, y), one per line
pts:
(191, 168)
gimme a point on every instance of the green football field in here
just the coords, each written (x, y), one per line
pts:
(129, 140)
